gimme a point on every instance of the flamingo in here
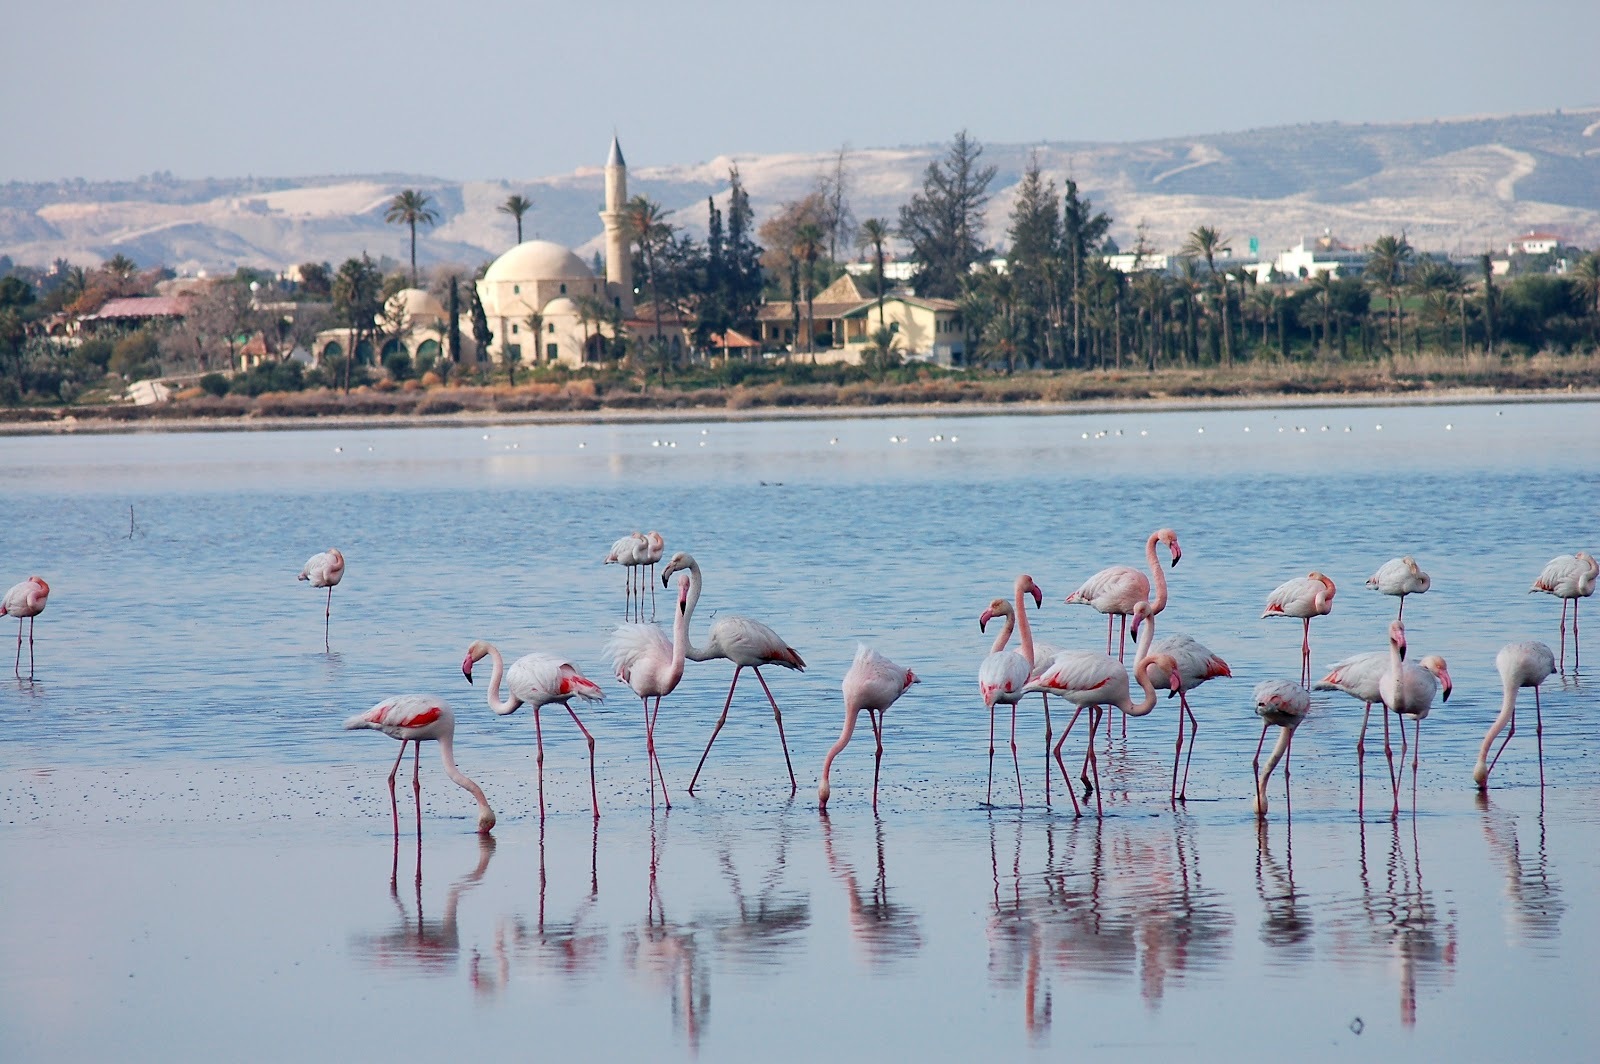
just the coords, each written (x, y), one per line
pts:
(1044, 656)
(1358, 677)
(1571, 576)
(538, 680)
(1304, 597)
(1113, 591)
(652, 666)
(416, 719)
(324, 570)
(625, 552)
(1400, 577)
(1521, 665)
(654, 547)
(1004, 673)
(1196, 665)
(873, 683)
(1286, 705)
(1407, 691)
(745, 642)
(25, 601)
(1094, 681)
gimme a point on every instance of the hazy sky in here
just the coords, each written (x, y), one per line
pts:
(101, 89)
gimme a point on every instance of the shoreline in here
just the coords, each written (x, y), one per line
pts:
(71, 425)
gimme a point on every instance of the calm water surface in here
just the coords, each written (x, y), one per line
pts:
(199, 861)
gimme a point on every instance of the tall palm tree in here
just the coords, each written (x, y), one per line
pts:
(874, 233)
(411, 208)
(646, 225)
(1322, 284)
(1586, 275)
(808, 237)
(1205, 242)
(1388, 261)
(516, 205)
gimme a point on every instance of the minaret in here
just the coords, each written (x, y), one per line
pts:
(619, 258)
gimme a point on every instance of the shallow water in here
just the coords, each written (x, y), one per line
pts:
(187, 829)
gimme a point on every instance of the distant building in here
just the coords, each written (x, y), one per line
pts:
(134, 311)
(1322, 254)
(1534, 242)
(845, 315)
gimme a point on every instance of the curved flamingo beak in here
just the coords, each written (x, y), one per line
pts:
(466, 668)
(912, 678)
(1444, 682)
(1177, 552)
(1038, 597)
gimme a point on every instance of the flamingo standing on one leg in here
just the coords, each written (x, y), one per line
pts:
(873, 683)
(1521, 665)
(1304, 597)
(25, 601)
(1407, 691)
(325, 570)
(1400, 577)
(1114, 590)
(1286, 705)
(652, 666)
(538, 680)
(1571, 576)
(1196, 665)
(1004, 673)
(417, 719)
(624, 552)
(745, 642)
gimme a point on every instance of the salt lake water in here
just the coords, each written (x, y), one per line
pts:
(198, 861)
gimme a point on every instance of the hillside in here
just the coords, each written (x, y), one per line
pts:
(1458, 185)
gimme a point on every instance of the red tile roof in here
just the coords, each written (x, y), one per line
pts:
(142, 307)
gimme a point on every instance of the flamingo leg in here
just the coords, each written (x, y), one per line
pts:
(649, 749)
(1538, 731)
(877, 755)
(1510, 731)
(1288, 750)
(718, 729)
(1416, 758)
(1562, 657)
(1305, 655)
(1122, 639)
(327, 620)
(665, 797)
(394, 806)
(1111, 621)
(1177, 752)
(538, 758)
(1071, 791)
(1577, 645)
(1016, 764)
(33, 620)
(1361, 761)
(1194, 729)
(1255, 773)
(594, 794)
(1046, 750)
(1402, 617)
(416, 795)
(1400, 778)
(1094, 764)
(988, 798)
(17, 668)
(777, 716)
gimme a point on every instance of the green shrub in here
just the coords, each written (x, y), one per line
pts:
(214, 384)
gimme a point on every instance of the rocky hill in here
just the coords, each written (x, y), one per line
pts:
(1458, 185)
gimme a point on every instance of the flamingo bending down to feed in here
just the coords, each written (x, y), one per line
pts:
(1407, 691)
(1571, 576)
(1005, 673)
(325, 570)
(1521, 665)
(629, 552)
(1304, 597)
(1286, 705)
(416, 719)
(25, 601)
(538, 680)
(652, 666)
(745, 642)
(1400, 577)
(1094, 681)
(873, 683)
(1196, 665)
(1115, 590)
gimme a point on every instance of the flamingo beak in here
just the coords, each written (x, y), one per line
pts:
(1038, 597)
(1177, 552)
(466, 669)
(912, 678)
(984, 619)
(1445, 681)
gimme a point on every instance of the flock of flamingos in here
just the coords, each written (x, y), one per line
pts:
(651, 663)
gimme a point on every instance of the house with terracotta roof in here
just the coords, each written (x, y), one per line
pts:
(845, 316)
(1534, 242)
(131, 312)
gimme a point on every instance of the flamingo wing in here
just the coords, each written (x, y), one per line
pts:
(1081, 676)
(873, 681)
(401, 716)
(1357, 676)
(1114, 590)
(744, 641)
(634, 646)
(1002, 677)
(540, 678)
(1196, 662)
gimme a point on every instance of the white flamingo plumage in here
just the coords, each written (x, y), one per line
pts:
(1400, 577)
(873, 683)
(747, 643)
(25, 601)
(647, 662)
(1304, 597)
(629, 552)
(1004, 674)
(1286, 705)
(538, 680)
(1408, 691)
(1570, 576)
(418, 719)
(1196, 665)
(1521, 665)
(324, 570)
(1114, 591)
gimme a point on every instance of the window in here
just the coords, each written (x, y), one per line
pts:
(513, 330)
(551, 329)
(563, 289)
(514, 352)
(516, 289)
(550, 351)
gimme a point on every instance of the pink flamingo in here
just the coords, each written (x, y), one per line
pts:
(1408, 691)
(654, 547)
(325, 570)
(629, 552)
(873, 683)
(1400, 577)
(745, 642)
(538, 680)
(1521, 665)
(1196, 665)
(1286, 705)
(1571, 576)
(1004, 673)
(417, 719)
(646, 662)
(25, 601)
(1114, 591)
(1304, 597)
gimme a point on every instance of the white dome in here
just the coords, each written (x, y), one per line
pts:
(561, 305)
(414, 306)
(538, 260)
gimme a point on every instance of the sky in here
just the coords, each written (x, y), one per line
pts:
(488, 90)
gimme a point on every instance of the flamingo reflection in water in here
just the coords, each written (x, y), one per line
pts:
(885, 930)
(430, 946)
(1016, 946)
(761, 930)
(1534, 905)
(1286, 923)
(666, 955)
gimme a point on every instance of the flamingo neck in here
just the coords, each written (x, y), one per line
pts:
(1024, 629)
(1004, 637)
(1279, 748)
(1141, 675)
(509, 705)
(1508, 706)
(850, 714)
(1158, 578)
(692, 652)
(485, 814)
(680, 638)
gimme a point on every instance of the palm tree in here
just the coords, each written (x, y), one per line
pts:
(516, 205)
(410, 208)
(646, 225)
(808, 237)
(874, 233)
(1388, 259)
(1268, 302)
(1322, 285)
(1586, 275)
(879, 355)
(1205, 242)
